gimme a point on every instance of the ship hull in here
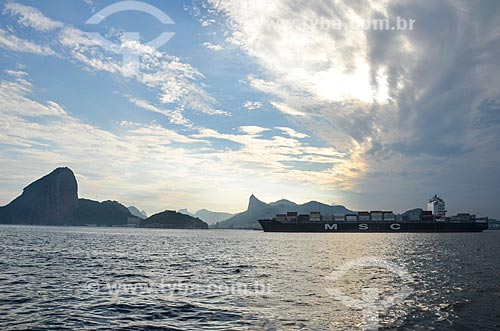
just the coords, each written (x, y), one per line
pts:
(276, 226)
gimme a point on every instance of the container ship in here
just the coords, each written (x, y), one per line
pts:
(432, 220)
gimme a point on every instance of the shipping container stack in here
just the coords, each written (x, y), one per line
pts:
(427, 216)
(339, 217)
(351, 217)
(462, 217)
(281, 217)
(376, 216)
(291, 216)
(415, 217)
(303, 218)
(327, 218)
(389, 216)
(363, 216)
(315, 216)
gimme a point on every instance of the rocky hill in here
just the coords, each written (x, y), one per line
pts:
(170, 219)
(51, 199)
(100, 213)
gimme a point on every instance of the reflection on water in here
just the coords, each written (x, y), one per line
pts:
(134, 279)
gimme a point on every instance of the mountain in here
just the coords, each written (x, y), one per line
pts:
(283, 202)
(170, 219)
(51, 199)
(255, 204)
(248, 219)
(210, 217)
(137, 213)
(259, 210)
(322, 208)
(101, 213)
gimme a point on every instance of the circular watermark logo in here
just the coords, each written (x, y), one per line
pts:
(130, 57)
(370, 303)
(232, 23)
(92, 287)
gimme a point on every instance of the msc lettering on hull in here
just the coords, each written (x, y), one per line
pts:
(363, 226)
(394, 226)
(331, 227)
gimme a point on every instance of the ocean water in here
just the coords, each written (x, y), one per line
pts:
(63, 278)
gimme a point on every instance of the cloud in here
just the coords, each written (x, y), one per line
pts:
(253, 130)
(286, 109)
(216, 48)
(13, 43)
(134, 161)
(154, 133)
(292, 133)
(178, 84)
(91, 4)
(289, 41)
(174, 116)
(384, 97)
(205, 23)
(12, 94)
(252, 105)
(281, 159)
(148, 164)
(278, 159)
(31, 17)
(16, 73)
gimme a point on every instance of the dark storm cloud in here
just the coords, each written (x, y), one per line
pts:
(448, 74)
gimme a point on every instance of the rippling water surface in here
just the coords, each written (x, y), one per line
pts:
(54, 278)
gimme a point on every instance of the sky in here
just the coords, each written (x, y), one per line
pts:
(199, 104)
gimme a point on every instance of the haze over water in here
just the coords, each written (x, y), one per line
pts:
(54, 278)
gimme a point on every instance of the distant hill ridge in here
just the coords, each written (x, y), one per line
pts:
(137, 213)
(107, 213)
(258, 209)
(282, 202)
(210, 217)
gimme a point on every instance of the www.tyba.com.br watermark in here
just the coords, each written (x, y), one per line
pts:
(117, 288)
